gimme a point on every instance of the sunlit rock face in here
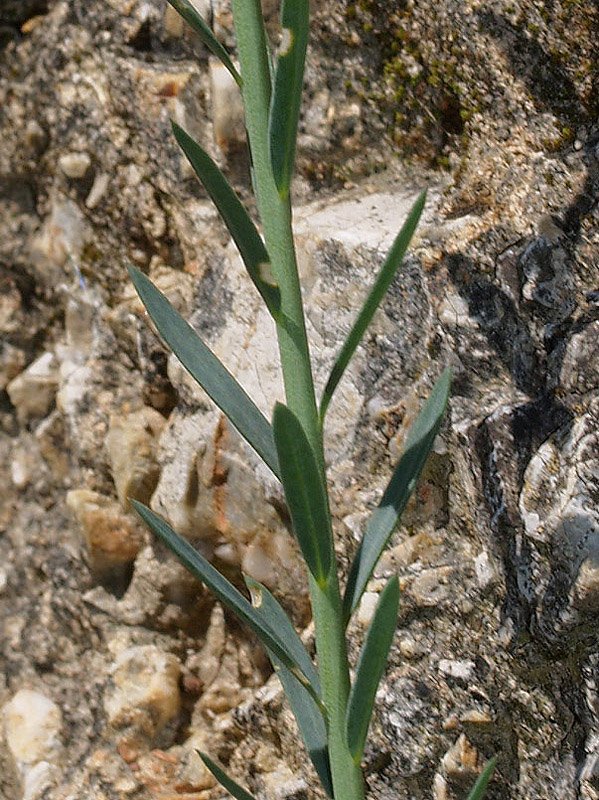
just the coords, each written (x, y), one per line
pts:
(121, 660)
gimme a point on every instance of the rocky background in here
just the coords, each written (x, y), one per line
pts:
(114, 664)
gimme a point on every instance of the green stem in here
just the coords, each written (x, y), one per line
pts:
(348, 783)
(275, 215)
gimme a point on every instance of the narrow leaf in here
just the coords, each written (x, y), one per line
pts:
(371, 666)
(220, 586)
(273, 615)
(372, 302)
(305, 491)
(238, 792)
(308, 713)
(238, 221)
(193, 18)
(480, 787)
(385, 517)
(287, 94)
(207, 370)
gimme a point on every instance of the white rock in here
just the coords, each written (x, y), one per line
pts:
(485, 571)
(367, 608)
(461, 670)
(146, 693)
(227, 109)
(98, 190)
(37, 779)
(33, 391)
(32, 724)
(74, 165)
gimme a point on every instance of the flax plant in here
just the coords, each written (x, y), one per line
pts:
(332, 713)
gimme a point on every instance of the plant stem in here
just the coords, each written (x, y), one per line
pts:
(275, 215)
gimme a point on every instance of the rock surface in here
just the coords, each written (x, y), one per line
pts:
(493, 107)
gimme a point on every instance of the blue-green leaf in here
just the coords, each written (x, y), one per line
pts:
(372, 302)
(238, 221)
(191, 16)
(237, 791)
(287, 93)
(308, 713)
(385, 517)
(207, 370)
(371, 666)
(305, 491)
(225, 591)
(480, 787)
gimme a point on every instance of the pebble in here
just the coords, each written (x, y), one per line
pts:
(367, 608)
(460, 670)
(486, 575)
(20, 469)
(227, 109)
(113, 539)
(145, 693)
(98, 190)
(12, 362)
(32, 725)
(586, 586)
(74, 165)
(132, 444)
(431, 587)
(33, 391)
(3, 580)
(460, 761)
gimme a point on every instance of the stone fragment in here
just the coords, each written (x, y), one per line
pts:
(36, 137)
(38, 779)
(98, 190)
(62, 236)
(431, 587)
(227, 109)
(461, 760)
(12, 362)
(33, 391)
(476, 717)
(144, 696)
(113, 539)
(367, 608)
(32, 725)
(132, 443)
(486, 574)
(74, 165)
(586, 587)
(174, 24)
(21, 468)
(459, 670)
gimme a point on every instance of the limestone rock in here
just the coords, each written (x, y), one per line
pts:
(132, 443)
(145, 695)
(33, 391)
(112, 538)
(33, 727)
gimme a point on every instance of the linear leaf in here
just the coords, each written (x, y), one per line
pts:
(287, 94)
(193, 18)
(238, 792)
(385, 517)
(238, 221)
(371, 666)
(480, 787)
(207, 370)
(274, 616)
(305, 491)
(372, 302)
(220, 586)
(308, 713)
